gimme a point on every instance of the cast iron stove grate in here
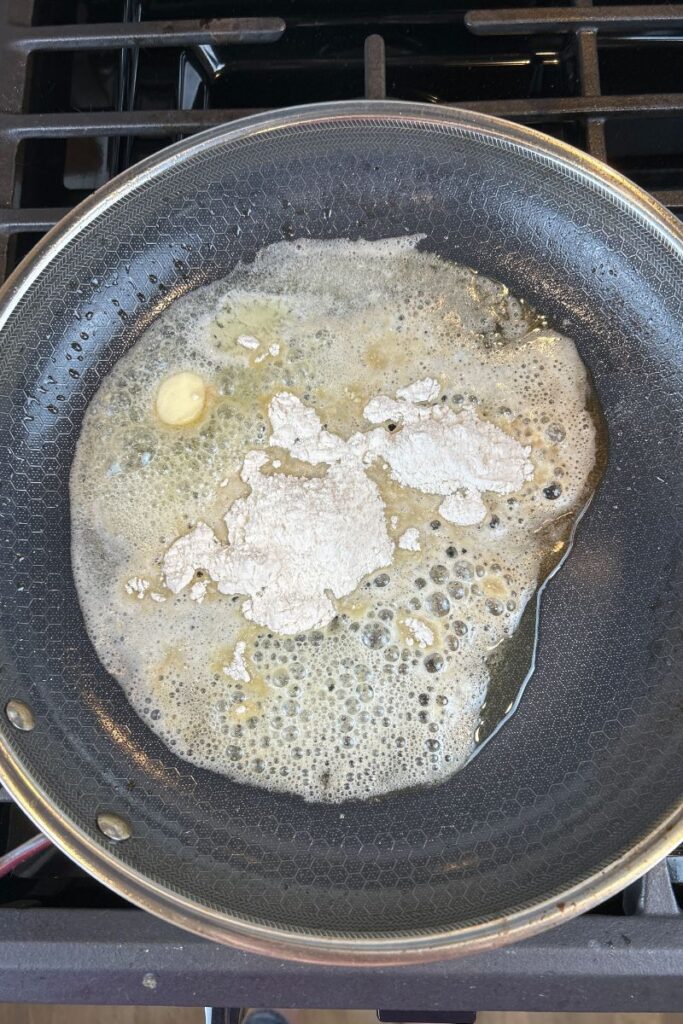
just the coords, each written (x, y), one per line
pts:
(89, 87)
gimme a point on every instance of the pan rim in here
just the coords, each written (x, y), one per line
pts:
(101, 862)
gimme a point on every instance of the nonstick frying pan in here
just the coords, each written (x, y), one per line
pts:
(581, 790)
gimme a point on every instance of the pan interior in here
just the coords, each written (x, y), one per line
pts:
(590, 763)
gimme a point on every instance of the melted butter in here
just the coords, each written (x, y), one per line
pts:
(160, 677)
(388, 350)
(493, 586)
(358, 708)
(260, 318)
(290, 466)
(411, 507)
(228, 491)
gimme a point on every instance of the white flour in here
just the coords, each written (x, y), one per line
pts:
(237, 669)
(425, 390)
(246, 341)
(298, 430)
(295, 543)
(198, 590)
(421, 632)
(273, 350)
(196, 550)
(438, 451)
(136, 585)
(410, 539)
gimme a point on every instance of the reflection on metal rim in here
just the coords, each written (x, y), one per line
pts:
(99, 859)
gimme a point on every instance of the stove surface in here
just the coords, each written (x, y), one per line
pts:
(89, 87)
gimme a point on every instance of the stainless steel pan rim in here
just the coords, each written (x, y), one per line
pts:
(201, 920)
(103, 863)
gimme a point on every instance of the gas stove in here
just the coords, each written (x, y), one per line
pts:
(89, 87)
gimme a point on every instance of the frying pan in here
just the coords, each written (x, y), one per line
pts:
(581, 790)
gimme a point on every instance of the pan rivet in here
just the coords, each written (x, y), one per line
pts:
(20, 715)
(114, 827)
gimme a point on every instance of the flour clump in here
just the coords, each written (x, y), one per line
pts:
(440, 451)
(410, 540)
(294, 543)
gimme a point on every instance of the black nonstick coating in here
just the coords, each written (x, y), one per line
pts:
(590, 764)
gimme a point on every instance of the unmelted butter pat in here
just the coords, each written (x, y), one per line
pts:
(181, 399)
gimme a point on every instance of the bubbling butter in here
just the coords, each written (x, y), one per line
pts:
(299, 585)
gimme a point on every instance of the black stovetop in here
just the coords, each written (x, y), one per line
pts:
(88, 87)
